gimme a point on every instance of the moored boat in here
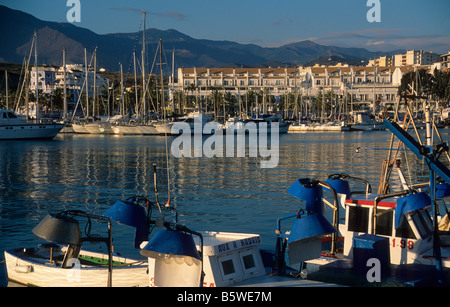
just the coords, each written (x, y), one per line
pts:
(63, 262)
(13, 127)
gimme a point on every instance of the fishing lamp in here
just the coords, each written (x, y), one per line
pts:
(59, 228)
(339, 185)
(310, 191)
(304, 242)
(410, 203)
(132, 212)
(177, 261)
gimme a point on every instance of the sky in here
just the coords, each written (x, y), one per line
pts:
(403, 24)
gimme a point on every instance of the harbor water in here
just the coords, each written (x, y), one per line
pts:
(90, 173)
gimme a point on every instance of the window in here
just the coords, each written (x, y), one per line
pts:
(249, 262)
(228, 267)
(384, 222)
(423, 222)
(358, 219)
(404, 230)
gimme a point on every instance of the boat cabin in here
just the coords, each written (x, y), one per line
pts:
(228, 259)
(8, 117)
(410, 234)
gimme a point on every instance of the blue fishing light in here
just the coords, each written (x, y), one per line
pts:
(410, 203)
(308, 226)
(131, 214)
(340, 186)
(310, 191)
(171, 243)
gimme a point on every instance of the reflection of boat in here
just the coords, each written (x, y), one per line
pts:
(14, 127)
(68, 265)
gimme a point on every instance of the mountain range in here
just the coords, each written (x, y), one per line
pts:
(18, 29)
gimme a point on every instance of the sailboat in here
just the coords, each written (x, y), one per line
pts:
(16, 127)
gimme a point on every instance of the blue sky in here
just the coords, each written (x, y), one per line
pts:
(405, 24)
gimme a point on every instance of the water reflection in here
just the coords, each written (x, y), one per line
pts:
(221, 193)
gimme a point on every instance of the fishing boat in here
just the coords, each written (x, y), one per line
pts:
(215, 259)
(402, 230)
(44, 267)
(396, 229)
(14, 127)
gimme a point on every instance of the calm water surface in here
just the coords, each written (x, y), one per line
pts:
(90, 173)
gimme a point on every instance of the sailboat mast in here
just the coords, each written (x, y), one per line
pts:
(122, 104)
(143, 69)
(94, 93)
(135, 85)
(86, 69)
(6, 82)
(173, 81)
(162, 78)
(65, 90)
(37, 75)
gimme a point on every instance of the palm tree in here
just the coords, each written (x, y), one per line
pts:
(217, 97)
(193, 89)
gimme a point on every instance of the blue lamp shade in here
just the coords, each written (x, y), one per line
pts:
(410, 203)
(309, 226)
(130, 214)
(340, 186)
(170, 243)
(177, 262)
(310, 191)
(59, 229)
(304, 242)
(442, 190)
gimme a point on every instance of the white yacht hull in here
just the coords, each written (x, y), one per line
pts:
(29, 131)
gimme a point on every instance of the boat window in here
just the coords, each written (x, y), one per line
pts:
(422, 221)
(4, 115)
(11, 115)
(249, 261)
(384, 222)
(404, 230)
(358, 219)
(228, 267)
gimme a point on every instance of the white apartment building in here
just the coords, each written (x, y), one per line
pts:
(416, 57)
(445, 60)
(75, 77)
(45, 79)
(411, 57)
(361, 82)
(50, 78)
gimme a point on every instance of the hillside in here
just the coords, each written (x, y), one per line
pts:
(117, 48)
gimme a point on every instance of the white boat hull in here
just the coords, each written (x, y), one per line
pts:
(38, 272)
(30, 131)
